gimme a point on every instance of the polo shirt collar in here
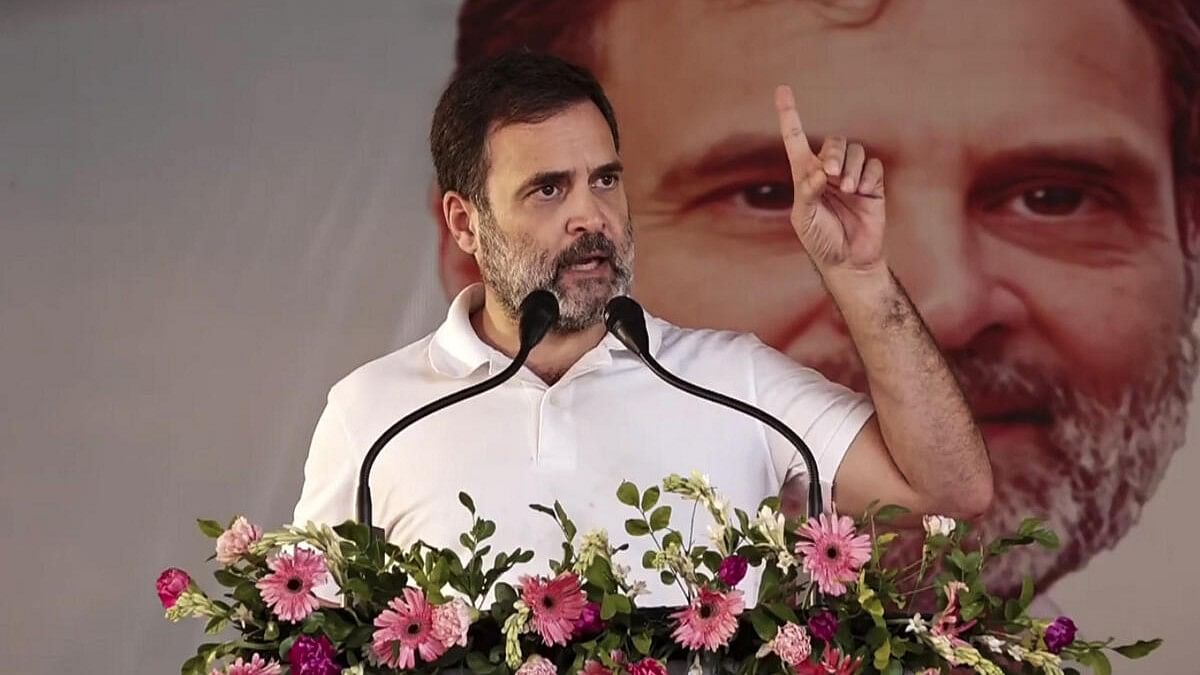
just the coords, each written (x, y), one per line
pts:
(456, 350)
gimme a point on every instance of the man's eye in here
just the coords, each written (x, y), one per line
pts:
(1052, 201)
(609, 180)
(547, 191)
(765, 196)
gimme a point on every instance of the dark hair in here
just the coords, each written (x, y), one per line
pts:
(512, 88)
(570, 28)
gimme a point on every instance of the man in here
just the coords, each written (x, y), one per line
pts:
(1043, 162)
(526, 148)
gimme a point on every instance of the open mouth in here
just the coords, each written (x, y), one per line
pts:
(588, 263)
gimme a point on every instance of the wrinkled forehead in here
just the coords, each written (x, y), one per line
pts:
(575, 139)
(918, 70)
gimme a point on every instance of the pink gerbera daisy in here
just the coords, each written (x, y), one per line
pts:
(404, 630)
(256, 666)
(709, 621)
(288, 589)
(833, 554)
(555, 605)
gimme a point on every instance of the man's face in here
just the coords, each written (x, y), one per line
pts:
(1030, 217)
(557, 216)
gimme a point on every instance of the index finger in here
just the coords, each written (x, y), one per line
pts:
(794, 140)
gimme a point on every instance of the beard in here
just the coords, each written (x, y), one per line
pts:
(1098, 465)
(512, 266)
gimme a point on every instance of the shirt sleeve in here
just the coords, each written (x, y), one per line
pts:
(330, 474)
(826, 415)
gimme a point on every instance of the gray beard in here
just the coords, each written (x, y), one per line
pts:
(513, 268)
(1104, 462)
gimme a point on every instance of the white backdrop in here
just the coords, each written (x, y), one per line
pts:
(209, 212)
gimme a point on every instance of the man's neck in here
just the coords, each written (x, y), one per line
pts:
(554, 355)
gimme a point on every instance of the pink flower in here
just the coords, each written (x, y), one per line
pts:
(946, 622)
(823, 625)
(170, 585)
(792, 644)
(405, 630)
(235, 542)
(450, 623)
(833, 554)
(287, 590)
(1060, 634)
(256, 666)
(555, 605)
(537, 665)
(647, 666)
(732, 570)
(313, 656)
(709, 621)
(594, 667)
(833, 663)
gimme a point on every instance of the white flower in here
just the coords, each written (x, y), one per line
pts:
(716, 535)
(935, 525)
(993, 644)
(916, 625)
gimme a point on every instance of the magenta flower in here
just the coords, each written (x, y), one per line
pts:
(235, 542)
(732, 570)
(589, 621)
(405, 630)
(833, 554)
(287, 590)
(554, 605)
(709, 621)
(1060, 634)
(791, 644)
(823, 625)
(313, 656)
(170, 585)
(647, 666)
(256, 666)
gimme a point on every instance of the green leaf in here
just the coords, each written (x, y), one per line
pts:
(272, 631)
(763, 624)
(1097, 661)
(465, 500)
(627, 493)
(666, 577)
(337, 628)
(1026, 592)
(889, 513)
(478, 663)
(784, 612)
(641, 642)
(893, 668)
(1138, 649)
(650, 498)
(636, 528)
(661, 518)
(672, 537)
(883, 654)
(505, 594)
(567, 525)
(194, 666)
(227, 578)
(467, 542)
(648, 560)
(613, 604)
(210, 528)
(544, 509)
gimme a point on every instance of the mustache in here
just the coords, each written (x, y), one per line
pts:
(589, 245)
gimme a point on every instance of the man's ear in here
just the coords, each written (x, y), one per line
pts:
(456, 267)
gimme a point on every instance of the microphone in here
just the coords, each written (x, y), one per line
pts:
(539, 313)
(624, 318)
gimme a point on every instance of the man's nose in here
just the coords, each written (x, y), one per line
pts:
(586, 213)
(950, 267)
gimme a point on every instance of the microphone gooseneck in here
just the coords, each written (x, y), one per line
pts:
(539, 313)
(626, 320)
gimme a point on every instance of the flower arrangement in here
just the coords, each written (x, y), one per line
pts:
(825, 603)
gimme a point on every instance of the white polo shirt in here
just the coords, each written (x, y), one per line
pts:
(608, 419)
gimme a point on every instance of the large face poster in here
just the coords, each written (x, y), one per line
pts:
(210, 212)
(1041, 165)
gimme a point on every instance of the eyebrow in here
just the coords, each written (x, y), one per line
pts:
(1100, 157)
(561, 177)
(737, 152)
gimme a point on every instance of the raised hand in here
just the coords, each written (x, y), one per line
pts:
(838, 209)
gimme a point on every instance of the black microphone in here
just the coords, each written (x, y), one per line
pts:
(539, 313)
(625, 319)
